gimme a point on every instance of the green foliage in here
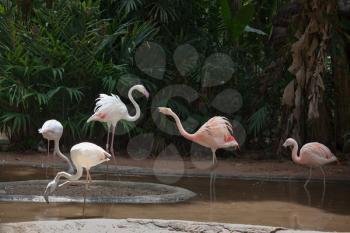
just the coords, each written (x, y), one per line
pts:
(257, 122)
(55, 64)
(239, 21)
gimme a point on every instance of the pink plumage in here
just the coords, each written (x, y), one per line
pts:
(312, 155)
(214, 134)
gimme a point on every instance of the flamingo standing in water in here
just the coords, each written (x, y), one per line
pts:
(311, 155)
(111, 109)
(214, 134)
(84, 155)
(52, 130)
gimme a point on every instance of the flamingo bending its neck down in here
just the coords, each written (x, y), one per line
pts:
(52, 130)
(84, 155)
(214, 134)
(110, 109)
(311, 155)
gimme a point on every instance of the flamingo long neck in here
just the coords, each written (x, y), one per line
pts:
(296, 158)
(59, 153)
(181, 129)
(136, 106)
(68, 176)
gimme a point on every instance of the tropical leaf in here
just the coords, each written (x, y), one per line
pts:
(257, 122)
(237, 23)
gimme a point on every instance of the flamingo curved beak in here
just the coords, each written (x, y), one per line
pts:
(146, 93)
(50, 188)
(46, 197)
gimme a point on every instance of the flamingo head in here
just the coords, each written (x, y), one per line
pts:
(289, 142)
(142, 89)
(165, 111)
(50, 188)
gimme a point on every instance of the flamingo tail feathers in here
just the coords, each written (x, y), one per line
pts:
(107, 154)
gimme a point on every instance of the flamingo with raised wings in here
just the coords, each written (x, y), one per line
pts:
(52, 130)
(84, 155)
(110, 109)
(311, 155)
(214, 134)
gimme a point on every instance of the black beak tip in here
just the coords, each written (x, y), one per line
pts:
(46, 199)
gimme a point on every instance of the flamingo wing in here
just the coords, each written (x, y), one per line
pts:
(316, 154)
(51, 125)
(218, 128)
(87, 154)
(109, 107)
(51, 130)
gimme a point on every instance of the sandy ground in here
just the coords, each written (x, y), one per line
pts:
(235, 168)
(135, 226)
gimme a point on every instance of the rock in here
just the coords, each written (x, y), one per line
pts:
(135, 225)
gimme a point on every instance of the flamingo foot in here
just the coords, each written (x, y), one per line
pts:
(113, 155)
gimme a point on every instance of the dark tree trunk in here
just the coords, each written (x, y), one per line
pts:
(342, 90)
(306, 116)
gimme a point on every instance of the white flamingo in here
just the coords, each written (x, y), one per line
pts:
(84, 155)
(110, 109)
(52, 130)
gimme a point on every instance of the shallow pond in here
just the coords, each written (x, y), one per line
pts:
(272, 203)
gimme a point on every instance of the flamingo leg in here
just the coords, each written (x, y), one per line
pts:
(308, 180)
(214, 187)
(86, 188)
(324, 185)
(211, 187)
(112, 139)
(214, 157)
(107, 144)
(48, 156)
(88, 177)
(324, 177)
(308, 196)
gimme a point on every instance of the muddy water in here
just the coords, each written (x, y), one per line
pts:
(283, 204)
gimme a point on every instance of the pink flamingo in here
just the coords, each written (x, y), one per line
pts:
(111, 109)
(214, 134)
(311, 155)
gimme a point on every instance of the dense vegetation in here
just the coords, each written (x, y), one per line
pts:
(57, 56)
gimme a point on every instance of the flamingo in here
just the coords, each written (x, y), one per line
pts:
(84, 155)
(110, 109)
(311, 155)
(214, 134)
(52, 130)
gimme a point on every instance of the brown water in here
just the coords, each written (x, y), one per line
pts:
(283, 204)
